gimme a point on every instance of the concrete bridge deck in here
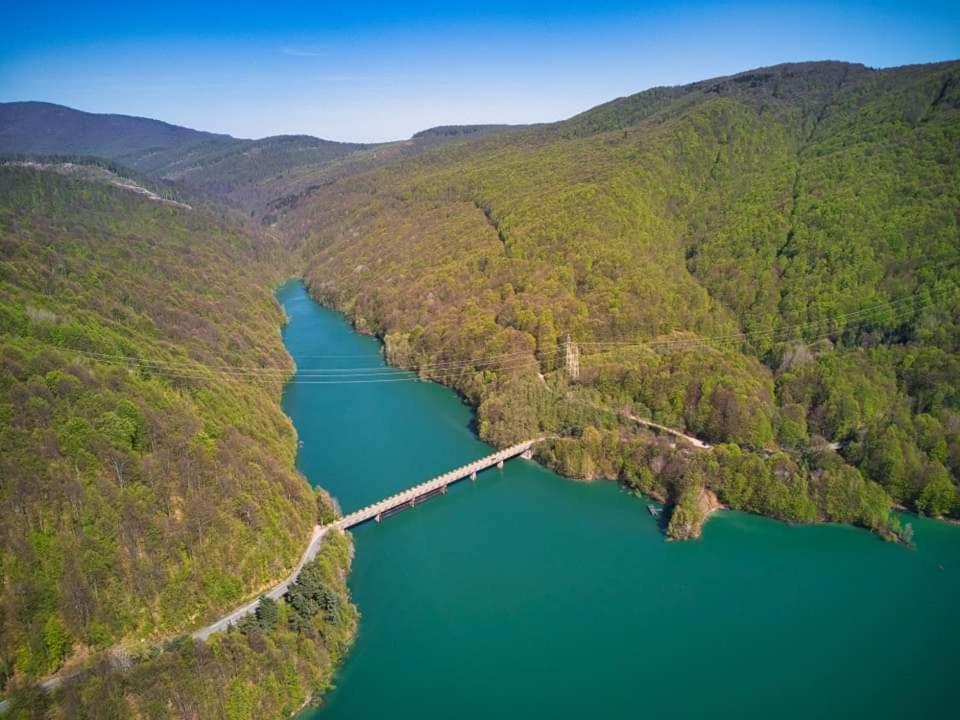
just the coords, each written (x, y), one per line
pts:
(434, 486)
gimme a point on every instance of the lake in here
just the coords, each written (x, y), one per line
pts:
(524, 594)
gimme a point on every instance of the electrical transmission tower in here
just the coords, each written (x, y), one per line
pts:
(571, 358)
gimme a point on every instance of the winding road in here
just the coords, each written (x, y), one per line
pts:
(275, 593)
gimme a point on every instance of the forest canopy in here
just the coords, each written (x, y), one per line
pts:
(142, 492)
(767, 261)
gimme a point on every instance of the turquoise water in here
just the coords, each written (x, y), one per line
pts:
(526, 595)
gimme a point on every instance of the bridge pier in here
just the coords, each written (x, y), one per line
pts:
(444, 490)
(473, 475)
(527, 454)
(500, 464)
(378, 517)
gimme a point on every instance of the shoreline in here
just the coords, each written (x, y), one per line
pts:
(695, 446)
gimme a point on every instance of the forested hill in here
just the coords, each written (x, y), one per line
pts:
(221, 165)
(244, 173)
(767, 260)
(49, 129)
(145, 487)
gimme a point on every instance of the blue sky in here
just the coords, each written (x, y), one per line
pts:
(378, 71)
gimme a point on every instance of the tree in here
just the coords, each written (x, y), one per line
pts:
(939, 496)
(546, 341)
(327, 510)
(310, 595)
(686, 520)
(843, 488)
(267, 613)
(793, 425)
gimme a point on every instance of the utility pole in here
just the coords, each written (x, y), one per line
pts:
(571, 358)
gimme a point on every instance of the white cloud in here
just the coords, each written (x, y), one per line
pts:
(304, 52)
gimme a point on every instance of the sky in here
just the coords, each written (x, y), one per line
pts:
(369, 72)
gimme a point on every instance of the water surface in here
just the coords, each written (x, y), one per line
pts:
(526, 595)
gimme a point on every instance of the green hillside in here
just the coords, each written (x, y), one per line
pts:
(767, 261)
(146, 487)
(242, 173)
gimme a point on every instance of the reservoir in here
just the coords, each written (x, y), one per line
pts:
(524, 594)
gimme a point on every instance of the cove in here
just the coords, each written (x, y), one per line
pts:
(527, 595)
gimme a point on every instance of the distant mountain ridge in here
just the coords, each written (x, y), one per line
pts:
(445, 131)
(245, 172)
(220, 164)
(47, 128)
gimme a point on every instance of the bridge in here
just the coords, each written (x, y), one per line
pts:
(437, 486)
(377, 511)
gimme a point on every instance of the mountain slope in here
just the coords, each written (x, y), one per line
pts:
(48, 129)
(765, 260)
(245, 171)
(144, 489)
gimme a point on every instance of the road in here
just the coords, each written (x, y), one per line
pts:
(224, 622)
(696, 442)
(274, 593)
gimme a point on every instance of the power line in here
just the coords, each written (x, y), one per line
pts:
(282, 375)
(408, 375)
(452, 368)
(284, 372)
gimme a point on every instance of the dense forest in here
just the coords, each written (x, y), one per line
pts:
(148, 485)
(767, 261)
(270, 665)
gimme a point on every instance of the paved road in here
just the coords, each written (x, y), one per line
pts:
(274, 594)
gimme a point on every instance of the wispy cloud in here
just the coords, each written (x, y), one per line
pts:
(304, 52)
(341, 78)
